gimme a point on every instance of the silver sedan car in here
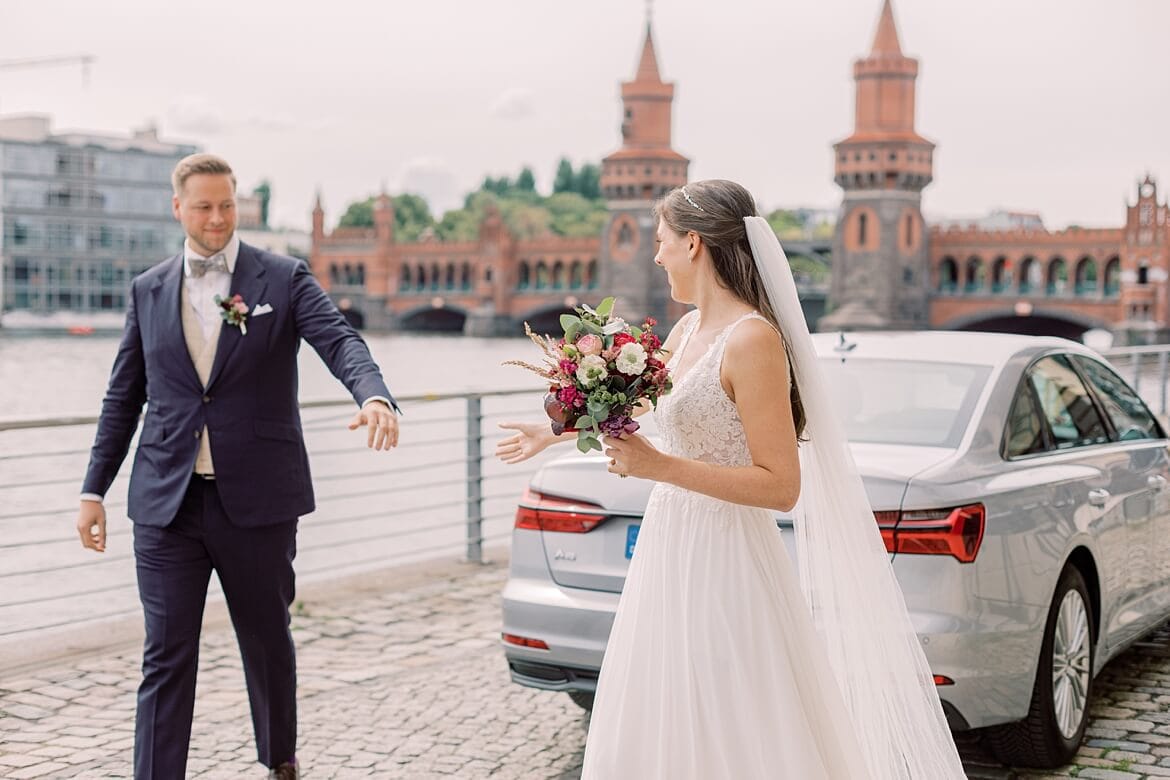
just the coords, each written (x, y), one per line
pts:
(1019, 484)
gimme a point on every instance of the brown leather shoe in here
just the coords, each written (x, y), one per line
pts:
(286, 771)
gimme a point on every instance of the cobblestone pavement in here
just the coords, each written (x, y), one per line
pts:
(403, 677)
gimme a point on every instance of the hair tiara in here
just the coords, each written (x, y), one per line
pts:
(690, 200)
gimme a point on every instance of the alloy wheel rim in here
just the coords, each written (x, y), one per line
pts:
(1070, 664)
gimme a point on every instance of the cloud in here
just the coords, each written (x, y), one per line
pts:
(514, 103)
(194, 114)
(434, 180)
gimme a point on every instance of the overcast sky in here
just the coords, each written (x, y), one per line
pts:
(1057, 106)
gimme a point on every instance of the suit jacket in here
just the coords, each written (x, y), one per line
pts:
(249, 405)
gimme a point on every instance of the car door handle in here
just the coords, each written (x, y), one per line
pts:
(1098, 497)
(1156, 481)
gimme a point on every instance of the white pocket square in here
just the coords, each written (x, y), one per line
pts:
(264, 308)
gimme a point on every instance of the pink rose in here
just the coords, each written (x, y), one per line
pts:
(611, 354)
(241, 307)
(589, 344)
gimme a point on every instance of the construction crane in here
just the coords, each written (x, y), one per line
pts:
(85, 60)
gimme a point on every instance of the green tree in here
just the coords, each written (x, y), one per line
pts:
(589, 181)
(565, 180)
(264, 192)
(412, 216)
(575, 215)
(360, 213)
(786, 224)
(526, 181)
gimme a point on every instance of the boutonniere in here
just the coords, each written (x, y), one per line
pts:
(234, 311)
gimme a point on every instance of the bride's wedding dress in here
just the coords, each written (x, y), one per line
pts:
(714, 668)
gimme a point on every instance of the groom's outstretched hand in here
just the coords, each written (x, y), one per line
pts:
(91, 525)
(381, 422)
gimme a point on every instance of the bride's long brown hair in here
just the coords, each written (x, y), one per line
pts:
(716, 209)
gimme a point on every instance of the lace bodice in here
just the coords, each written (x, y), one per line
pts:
(697, 420)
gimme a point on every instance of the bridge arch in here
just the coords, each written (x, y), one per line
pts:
(433, 319)
(545, 319)
(1039, 321)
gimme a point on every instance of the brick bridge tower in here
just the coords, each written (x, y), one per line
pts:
(632, 178)
(880, 251)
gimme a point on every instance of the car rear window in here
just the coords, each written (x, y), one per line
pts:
(903, 401)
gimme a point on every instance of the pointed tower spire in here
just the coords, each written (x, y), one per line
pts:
(885, 42)
(648, 65)
(646, 166)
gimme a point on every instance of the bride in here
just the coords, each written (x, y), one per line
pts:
(722, 661)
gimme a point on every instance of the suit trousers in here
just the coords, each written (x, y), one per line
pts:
(255, 570)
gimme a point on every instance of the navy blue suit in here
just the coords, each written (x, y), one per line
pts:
(242, 524)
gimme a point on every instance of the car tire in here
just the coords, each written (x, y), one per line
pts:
(1059, 711)
(583, 699)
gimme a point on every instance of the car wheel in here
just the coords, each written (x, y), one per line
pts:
(1051, 733)
(583, 699)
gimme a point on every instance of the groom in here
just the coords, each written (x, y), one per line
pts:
(221, 473)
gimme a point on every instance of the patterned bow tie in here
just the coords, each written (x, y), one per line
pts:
(201, 265)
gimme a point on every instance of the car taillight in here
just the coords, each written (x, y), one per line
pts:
(540, 512)
(523, 641)
(957, 531)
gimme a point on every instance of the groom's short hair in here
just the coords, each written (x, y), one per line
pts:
(194, 164)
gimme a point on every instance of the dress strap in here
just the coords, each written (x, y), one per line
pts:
(721, 340)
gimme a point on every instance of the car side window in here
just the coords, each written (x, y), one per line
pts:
(1025, 429)
(1129, 414)
(1066, 404)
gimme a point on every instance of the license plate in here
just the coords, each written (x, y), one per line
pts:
(631, 539)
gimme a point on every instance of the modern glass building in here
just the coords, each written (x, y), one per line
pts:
(82, 215)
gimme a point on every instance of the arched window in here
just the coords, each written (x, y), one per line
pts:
(591, 279)
(1001, 275)
(1057, 276)
(625, 234)
(576, 275)
(541, 275)
(1112, 276)
(1086, 277)
(974, 275)
(436, 276)
(404, 280)
(558, 275)
(948, 276)
(465, 276)
(522, 280)
(420, 277)
(450, 278)
(1031, 277)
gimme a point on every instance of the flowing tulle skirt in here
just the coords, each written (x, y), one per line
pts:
(714, 669)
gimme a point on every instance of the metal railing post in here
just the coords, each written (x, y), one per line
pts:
(474, 479)
(1162, 362)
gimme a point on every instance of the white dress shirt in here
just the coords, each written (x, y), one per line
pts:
(201, 291)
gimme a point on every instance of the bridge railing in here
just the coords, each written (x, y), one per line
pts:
(1147, 369)
(440, 493)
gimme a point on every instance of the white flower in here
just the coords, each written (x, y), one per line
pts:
(616, 325)
(591, 370)
(632, 359)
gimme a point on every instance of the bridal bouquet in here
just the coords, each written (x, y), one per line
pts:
(597, 371)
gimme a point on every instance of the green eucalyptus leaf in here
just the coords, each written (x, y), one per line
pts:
(568, 320)
(584, 421)
(605, 307)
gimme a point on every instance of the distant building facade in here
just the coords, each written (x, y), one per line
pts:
(491, 285)
(1003, 272)
(82, 214)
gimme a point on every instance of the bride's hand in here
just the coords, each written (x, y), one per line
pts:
(633, 455)
(530, 439)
